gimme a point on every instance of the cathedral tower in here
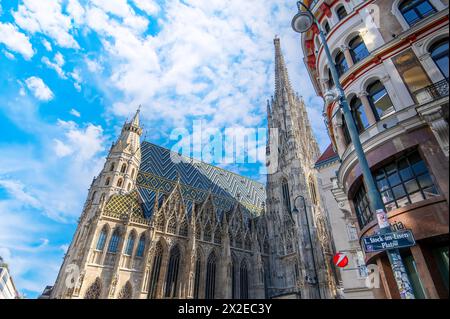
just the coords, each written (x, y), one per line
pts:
(298, 256)
(118, 176)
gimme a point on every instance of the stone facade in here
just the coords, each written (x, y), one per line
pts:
(158, 225)
(344, 228)
(296, 216)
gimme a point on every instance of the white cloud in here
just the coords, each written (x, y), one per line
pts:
(45, 16)
(75, 113)
(149, 6)
(61, 149)
(9, 55)
(85, 143)
(39, 88)
(47, 45)
(17, 189)
(76, 11)
(76, 77)
(56, 65)
(94, 66)
(16, 41)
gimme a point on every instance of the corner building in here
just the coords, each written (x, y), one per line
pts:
(392, 58)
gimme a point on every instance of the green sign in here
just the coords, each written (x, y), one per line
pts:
(382, 242)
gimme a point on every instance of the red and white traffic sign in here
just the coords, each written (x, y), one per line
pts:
(340, 260)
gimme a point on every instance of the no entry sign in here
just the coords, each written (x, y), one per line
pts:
(340, 260)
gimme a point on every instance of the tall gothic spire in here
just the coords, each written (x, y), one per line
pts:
(282, 82)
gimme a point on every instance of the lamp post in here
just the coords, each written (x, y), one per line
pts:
(295, 211)
(301, 23)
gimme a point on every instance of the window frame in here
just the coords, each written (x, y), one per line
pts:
(370, 95)
(356, 58)
(339, 12)
(420, 15)
(341, 64)
(441, 55)
(386, 176)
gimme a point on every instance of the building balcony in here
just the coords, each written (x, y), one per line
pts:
(432, 93)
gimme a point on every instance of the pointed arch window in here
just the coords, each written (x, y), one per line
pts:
(359, 115)
(120, 182)
(286, 194)
(439, 54)
(102, 239)
(184, 228)
(415, 10)
(207, 235)
(133, 172)
(123, 169)
(114, 242)
(156, 269)
(172, 273)
(172, 226)
(341, 13)
(211, 277)
(94, 291)
(129, 187)
(161, 223)
(126, 292)
(198, 232)
(238, 240)
(358, 49)
(379, 99)
(218, 236)
(243, 272)
(112, 167)
(198, 269)
(247, 243)
(108, 181)
(130, 245)
(141, 246)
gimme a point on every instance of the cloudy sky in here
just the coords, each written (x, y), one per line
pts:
(72, 71)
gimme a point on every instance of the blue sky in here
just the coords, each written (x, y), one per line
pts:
(72, 71)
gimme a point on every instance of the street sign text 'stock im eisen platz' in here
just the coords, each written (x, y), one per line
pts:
(382, 242)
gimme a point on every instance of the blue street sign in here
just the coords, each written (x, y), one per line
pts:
(382, 242)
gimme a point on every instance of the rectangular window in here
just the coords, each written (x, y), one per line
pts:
(401, 183)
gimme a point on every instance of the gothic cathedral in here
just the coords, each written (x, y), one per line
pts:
(155, 227)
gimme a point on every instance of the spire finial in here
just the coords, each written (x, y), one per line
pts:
(281, 74)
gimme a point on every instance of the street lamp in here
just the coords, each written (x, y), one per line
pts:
(296, 212)
(301, 23)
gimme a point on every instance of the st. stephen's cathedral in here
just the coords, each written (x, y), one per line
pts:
(155, 228)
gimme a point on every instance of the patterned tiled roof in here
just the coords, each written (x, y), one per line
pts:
(159, 174)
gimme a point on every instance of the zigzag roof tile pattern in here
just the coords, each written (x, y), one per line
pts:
(161, 169)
